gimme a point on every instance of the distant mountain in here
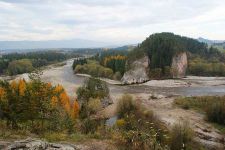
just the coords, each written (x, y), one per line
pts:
(209, 42)
(75, 43)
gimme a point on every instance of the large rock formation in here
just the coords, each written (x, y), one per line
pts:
(179, 65)
(138, 72)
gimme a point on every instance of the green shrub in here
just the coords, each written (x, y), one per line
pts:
(94, 105)
(90, 125)
(139, 128)
(94, 69)
(202, 67)
(167, 72)
(181, 137)
(213, 106)
(216, 112)
(117, 76)
(155, 73)
(126, 105)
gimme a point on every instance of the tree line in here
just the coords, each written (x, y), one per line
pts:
(18, 63)
(36, 105)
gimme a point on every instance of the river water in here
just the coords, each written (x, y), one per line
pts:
(64, 75)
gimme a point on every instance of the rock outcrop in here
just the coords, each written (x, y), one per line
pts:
(34, 144)
(179, 65)
(138, 72)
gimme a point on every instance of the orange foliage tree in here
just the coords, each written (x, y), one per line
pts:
(22, 101)
(75, 109)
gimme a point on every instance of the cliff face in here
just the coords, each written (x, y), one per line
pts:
(140, 68)
(138, 72)
(179, 65)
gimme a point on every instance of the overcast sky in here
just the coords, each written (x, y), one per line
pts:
(114, 21)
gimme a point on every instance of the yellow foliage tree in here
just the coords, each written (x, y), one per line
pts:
(2, 93)
(13, 85)
(58, 89)
(49, 85)
(117, 57)
(54, 101)
(65, 101)
(75, 109)
(22, 87)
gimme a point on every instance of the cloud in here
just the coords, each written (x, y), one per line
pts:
(115, 21)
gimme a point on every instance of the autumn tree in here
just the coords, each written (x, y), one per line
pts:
(36, 102)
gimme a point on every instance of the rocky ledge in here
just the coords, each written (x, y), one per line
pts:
(34, 144)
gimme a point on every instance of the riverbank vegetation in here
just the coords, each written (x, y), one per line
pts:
(212, 106)
(108, 64)
(18, 63)
(141, 129)
(41, 110)
(94, 69)
(36, 106)
(205, 67)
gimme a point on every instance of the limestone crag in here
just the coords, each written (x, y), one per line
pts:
(179, 65)
(138, 72)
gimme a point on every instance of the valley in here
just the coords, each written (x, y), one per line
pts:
(165, 92)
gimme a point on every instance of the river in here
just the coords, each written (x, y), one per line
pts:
(201, 85)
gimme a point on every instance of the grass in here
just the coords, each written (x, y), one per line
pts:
(212, 106)
(221, 128)
(182, 137)
(9, 134)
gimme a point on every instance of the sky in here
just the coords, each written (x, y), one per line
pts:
(112, 21)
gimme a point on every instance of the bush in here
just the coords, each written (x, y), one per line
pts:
(214, 106)
(94, 69)
(91, 125)
(167, 72)
(156, 73)
(139, 128)
(94, 105)
(78, 61)
(126, 105)
(120, 123)
(181, 137)
(216, 112)
(117, 76)
(90, 95)
(203, 67)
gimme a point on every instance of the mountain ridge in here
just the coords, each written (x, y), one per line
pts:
(73, 43)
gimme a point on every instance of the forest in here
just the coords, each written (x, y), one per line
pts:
(108, 64)
(18, 63)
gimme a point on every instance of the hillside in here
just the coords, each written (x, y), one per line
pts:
(162, 46)
(169, 55)
(220, 46)
(209, 42)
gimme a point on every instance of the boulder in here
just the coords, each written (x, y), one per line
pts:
(35, 144)
(179, 65)
(106, 101)
(138, 72)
